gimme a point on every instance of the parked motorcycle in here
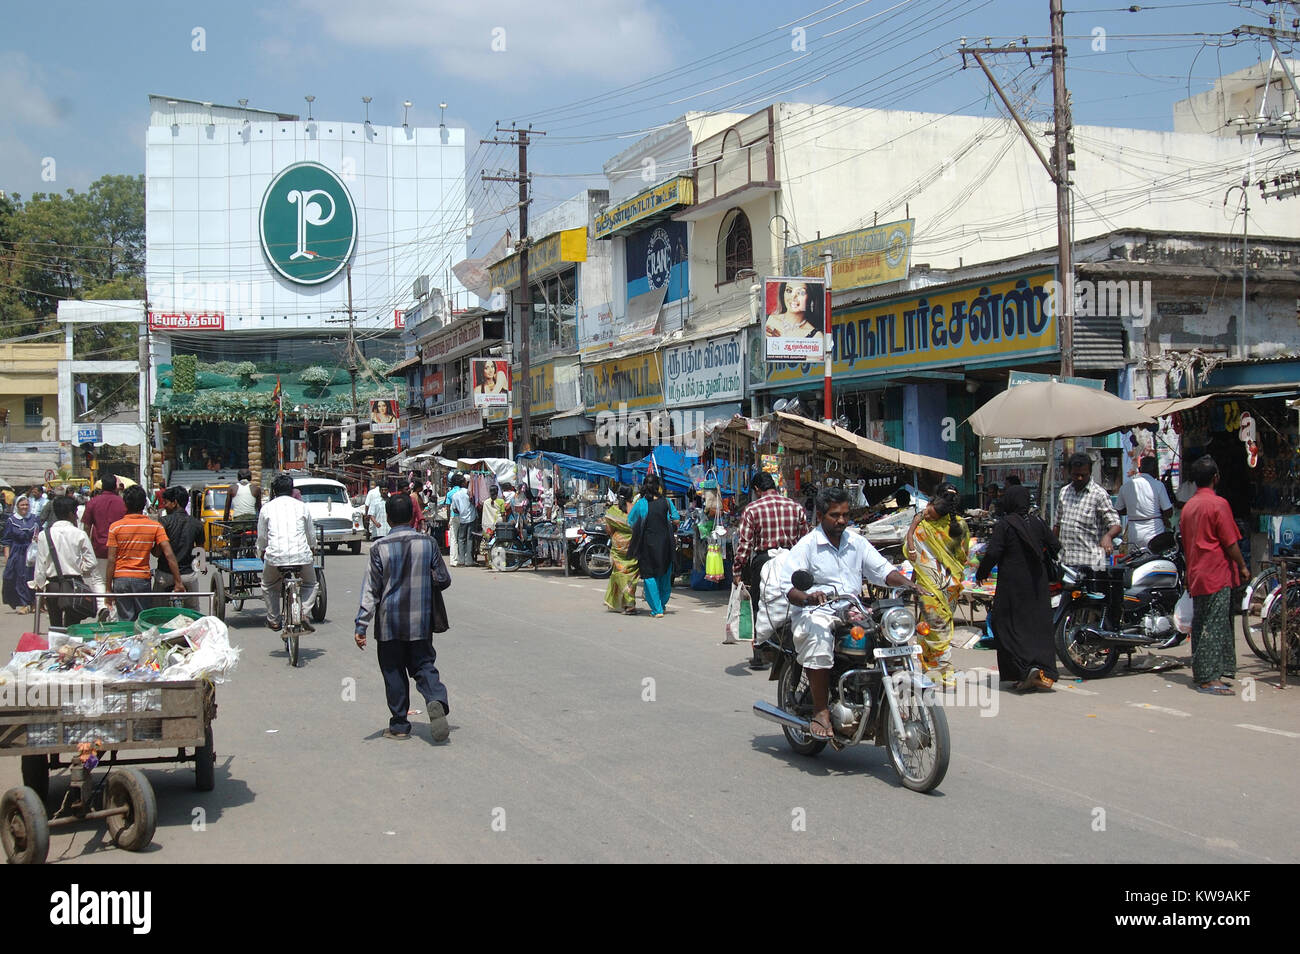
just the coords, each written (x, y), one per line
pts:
(877, 692)
(1120, 609)
(589, 550)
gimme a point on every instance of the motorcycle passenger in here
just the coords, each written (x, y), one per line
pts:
(840, 561)
(284, 541)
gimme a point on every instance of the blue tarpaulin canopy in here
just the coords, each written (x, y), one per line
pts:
(588, 469)
(670, 464)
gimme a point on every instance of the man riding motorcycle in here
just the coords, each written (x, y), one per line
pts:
(284, 541)
(840, 561)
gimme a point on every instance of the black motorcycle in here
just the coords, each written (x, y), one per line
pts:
(877, 693)
(589, 551)
(1121, 609)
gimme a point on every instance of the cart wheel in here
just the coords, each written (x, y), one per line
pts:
(218, 596)
(318, 608)
(36, 774)
(205, 758)
(129, 787)
(24, 830)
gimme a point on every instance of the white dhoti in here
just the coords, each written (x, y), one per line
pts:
(814, 642)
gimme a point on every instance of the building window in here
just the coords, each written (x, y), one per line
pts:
(735, 246)
(33, 411)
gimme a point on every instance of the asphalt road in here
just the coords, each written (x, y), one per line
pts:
(580, 735)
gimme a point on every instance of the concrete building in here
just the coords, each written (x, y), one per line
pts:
(266, 232)
(1262, 91)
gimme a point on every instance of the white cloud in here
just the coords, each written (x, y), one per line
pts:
(613, 40)
(21, 98)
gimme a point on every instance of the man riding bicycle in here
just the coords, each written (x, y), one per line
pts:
(284, 542)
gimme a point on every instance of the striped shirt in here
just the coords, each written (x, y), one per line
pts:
(135, 536)
(402, 591)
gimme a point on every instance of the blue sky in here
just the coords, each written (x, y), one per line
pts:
(75, 77)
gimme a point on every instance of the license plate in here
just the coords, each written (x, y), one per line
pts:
(893, 651)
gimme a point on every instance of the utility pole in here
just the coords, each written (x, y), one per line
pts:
(1058, 167)
(520, 138)
(352, 343)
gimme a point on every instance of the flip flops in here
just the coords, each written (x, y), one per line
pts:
(1213, 690)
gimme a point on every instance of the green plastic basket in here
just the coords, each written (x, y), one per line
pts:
(95, 630)
(158, 615)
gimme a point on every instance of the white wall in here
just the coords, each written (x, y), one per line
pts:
(204, 187)
(978, 193)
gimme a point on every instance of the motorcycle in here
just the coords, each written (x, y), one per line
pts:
(589, 550)
(1120, 609)
(877, 692)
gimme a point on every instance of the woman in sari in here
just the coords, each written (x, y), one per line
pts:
(624, 572)
(937, 544)
(20, 530)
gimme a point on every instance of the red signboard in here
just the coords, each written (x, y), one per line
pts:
(187, 321)
(432, 384)
(399, 318)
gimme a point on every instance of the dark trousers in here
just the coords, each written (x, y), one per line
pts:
(401, 660)
(752, 577)
(129, 607)
(62, 615)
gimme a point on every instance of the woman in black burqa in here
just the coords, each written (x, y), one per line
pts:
(1022, 604)
(654, 540)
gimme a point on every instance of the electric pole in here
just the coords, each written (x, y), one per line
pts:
(352, 341)
(1058, 167)
(520, 138)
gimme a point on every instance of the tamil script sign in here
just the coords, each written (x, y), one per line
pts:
(962, 326)
(452, 340)
(569, 245)
(1010, 451)
(187, 321)
(679, 191)
(871, 256)
(705, 371)
(633, 382)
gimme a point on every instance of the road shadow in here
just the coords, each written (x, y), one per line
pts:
(859, 760)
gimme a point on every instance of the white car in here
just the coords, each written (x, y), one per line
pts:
(332, 511)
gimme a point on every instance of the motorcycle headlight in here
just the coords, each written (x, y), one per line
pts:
(899, 625)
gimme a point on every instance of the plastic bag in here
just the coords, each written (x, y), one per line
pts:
(1183, 614)
(740, 616)
(714, 566)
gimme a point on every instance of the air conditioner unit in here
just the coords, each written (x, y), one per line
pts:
(420, 288)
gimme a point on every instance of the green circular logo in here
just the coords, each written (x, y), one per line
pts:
(308, 223)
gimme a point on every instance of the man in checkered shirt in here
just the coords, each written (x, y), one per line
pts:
(1087, 523)
(770, 522)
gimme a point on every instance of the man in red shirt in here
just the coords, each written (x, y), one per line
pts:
(103, 510)
(1214, 560)
(770, 522)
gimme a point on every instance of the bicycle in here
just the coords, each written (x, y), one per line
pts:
(1253, 624)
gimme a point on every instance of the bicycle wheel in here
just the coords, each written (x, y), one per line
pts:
(293, 623)
(1272, 627)
(1252, 612)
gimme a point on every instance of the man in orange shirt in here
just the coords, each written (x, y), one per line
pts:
(130, 541)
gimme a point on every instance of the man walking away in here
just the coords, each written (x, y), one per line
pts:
(285, 534)
(103, 510)
(463, 517)
(1145, 501)
(1213, 561)
(184, 533)
(72, 560)
(130, 542)
(1087, 523)
(402, 595)
(770, 522)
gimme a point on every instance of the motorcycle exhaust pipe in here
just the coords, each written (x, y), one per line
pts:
(1119, 639)
(765, 710)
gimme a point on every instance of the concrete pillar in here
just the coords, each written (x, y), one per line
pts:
(255, 450)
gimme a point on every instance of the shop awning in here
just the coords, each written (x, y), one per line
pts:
(571, 423)
(670, 464)
(1162, 407)
(803, 434)
(588, 469)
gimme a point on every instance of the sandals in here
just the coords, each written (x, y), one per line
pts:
(1215, 689)
(823, 723)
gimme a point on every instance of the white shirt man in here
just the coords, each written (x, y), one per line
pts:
(377, 512)
(1145, 501)
(285, 534)
(244, 502)
(836, 570)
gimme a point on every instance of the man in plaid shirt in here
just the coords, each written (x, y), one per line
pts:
(1087, 523)
(402, 593)
(770, 522)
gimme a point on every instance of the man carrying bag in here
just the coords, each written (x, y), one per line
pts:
(65, 560)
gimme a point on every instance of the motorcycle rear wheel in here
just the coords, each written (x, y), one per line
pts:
(1083, 662)
(793, 693)
(920, 757)
(596, 562)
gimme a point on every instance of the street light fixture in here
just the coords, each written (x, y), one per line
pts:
(406, 108)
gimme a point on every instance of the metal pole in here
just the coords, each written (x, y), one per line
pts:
(1245, 267)
(352, 344)
(1061, 117)
(525, 324)
(828, 413)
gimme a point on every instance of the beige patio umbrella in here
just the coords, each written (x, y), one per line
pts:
(1047, 410)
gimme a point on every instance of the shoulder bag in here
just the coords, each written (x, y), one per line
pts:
(83, 605)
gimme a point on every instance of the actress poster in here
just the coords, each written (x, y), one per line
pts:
(796, 319)
(491, 382)
(383, 416)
